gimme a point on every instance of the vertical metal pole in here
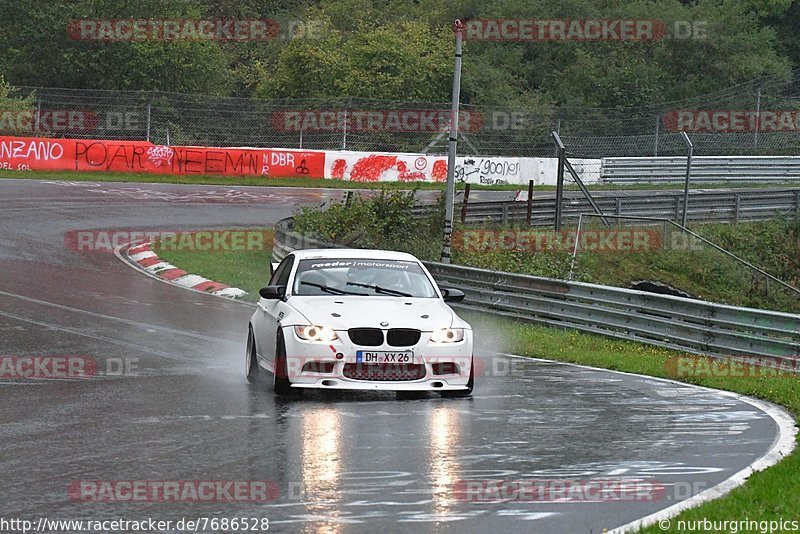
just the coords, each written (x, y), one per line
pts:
(530, 203)
(688, 175)
(450, 191)
(736, 206)
(344, 131)
(558, 127)
(301, 138)
(149, 105)
(167, 136)
(38, 114)
(758, 118)
(561, 152)
(658, 125)
(575, 249)
(465, 204)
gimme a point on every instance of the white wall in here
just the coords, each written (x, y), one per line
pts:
(385, 167)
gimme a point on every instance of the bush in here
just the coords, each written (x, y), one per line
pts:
(382, 221)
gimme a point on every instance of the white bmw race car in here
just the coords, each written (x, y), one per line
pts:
(360, 320)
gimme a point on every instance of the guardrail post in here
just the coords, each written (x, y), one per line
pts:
(797, 204)
(619, 206)
(464, 205)
(736, 205)
(530, 203)
(504, 216)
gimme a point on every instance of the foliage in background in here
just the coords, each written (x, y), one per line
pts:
(382, 221)
(385, 221)
(9, 102)
(403, 49)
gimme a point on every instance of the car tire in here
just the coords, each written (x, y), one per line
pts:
(462, 392)
(251, 358)
(281, 384)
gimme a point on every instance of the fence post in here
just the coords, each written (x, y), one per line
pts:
(149, 106)
(619, 206)
(530, 203)
(658, 125)
(736, 205)
(344, 130)
(758, 118)
(690, 148)
(38, 114)
(504, 216)
(464, 204)
(561, 152)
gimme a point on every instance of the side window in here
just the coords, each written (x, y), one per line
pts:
(281, 275)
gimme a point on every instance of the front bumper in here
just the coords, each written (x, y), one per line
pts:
(446, 366)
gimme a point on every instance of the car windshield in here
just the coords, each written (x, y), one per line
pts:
(365, 277)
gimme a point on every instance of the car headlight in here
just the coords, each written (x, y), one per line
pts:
(447, 335)
(315, 333)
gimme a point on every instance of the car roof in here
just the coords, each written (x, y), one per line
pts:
(334, 253)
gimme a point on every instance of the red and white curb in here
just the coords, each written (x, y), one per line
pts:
(143, 258)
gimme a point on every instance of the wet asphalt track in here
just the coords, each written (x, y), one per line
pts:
(342, 463)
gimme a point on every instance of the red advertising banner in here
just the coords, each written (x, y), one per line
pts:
(32, 153)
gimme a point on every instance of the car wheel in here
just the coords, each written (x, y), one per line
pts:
(251, 359)
(281, 384)
(463, 392)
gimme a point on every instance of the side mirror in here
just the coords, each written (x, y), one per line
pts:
(272, 292)
(451, 294)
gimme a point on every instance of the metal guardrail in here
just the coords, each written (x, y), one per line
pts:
(712, 206)
(689, 325)
(618, 170)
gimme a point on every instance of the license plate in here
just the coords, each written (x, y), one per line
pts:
(370, 356)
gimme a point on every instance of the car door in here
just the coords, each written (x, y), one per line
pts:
(267, 315)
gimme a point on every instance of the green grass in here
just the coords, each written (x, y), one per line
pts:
(385, 221)
(769, 494)
(247, 270)
(234, 180)
(702, 272)
(86, 176)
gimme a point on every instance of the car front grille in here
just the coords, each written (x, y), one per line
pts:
(366, 337)
(384, 372)
(395, 337)
(402, 337)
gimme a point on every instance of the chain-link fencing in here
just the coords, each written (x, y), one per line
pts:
(761, 117)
